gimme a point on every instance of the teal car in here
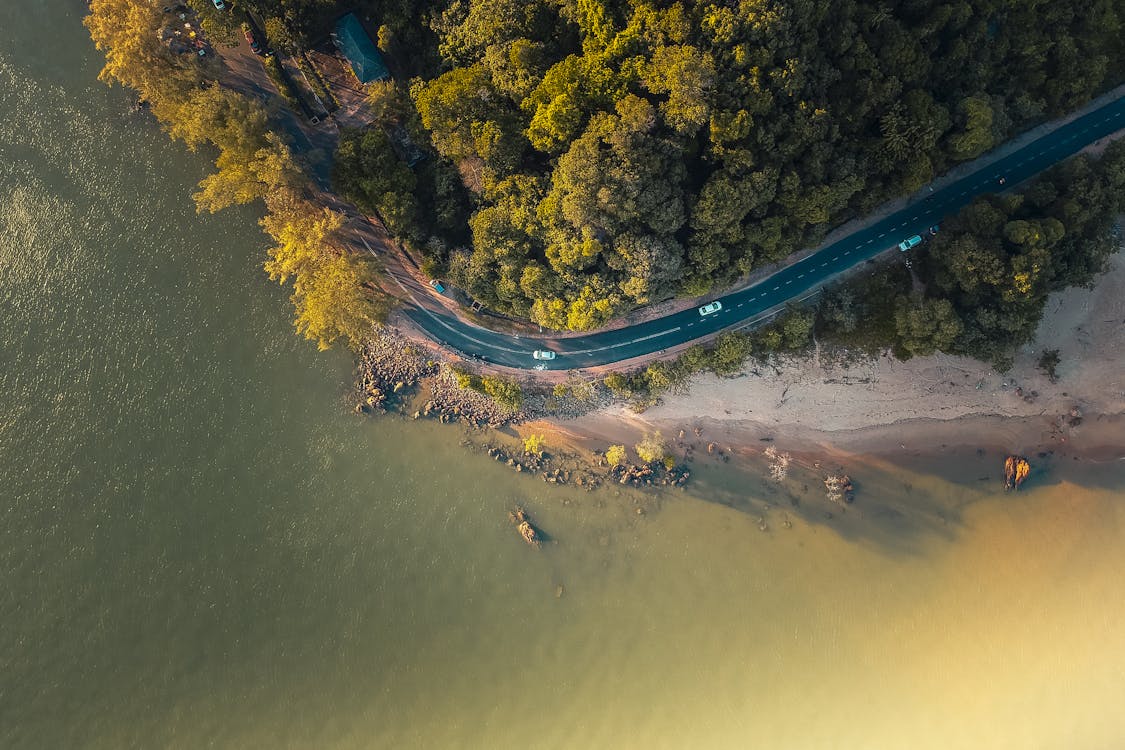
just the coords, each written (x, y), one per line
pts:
(910, 242)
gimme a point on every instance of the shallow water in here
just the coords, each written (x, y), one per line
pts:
(201, 547)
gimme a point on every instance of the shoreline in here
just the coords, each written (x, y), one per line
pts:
(925, 446)
(945, 414)
(924, 411)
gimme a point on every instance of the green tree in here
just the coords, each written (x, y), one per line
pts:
(686, 74)
(926, 325)
(504, 391)
(976, 129)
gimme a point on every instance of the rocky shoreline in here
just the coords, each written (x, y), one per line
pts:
(394, 369)
(397, 374)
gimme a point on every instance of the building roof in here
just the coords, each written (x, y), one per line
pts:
(353, 41)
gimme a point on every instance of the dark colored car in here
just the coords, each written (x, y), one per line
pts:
(254, 46)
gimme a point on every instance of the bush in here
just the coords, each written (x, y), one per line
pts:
(503, 391)
(467, 380)
(1049, 363)
(651, 449)
(533, 445)
(615, 455)
(281, 81)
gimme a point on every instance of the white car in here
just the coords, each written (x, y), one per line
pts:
(711, 308)
(220, 4)
(542, 354)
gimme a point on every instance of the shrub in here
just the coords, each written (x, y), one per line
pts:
(533, 445)
(615, 455)
(1049, 363)
(503, 391)
(651, 449)
(467, 380)
(281, 81)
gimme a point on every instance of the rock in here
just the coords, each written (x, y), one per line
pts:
(1016, 470)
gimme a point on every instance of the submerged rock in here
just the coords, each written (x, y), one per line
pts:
(523, 525)
(1016, 469)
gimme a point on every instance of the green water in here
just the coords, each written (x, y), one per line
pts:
(200, 546)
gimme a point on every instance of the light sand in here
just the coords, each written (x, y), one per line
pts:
(922, 404)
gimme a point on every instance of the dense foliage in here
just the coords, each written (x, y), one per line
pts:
(622, 152)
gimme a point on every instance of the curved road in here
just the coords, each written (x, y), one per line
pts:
(794, 282)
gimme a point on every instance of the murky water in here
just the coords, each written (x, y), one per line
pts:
(201, 547)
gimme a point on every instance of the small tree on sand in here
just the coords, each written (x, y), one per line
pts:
(651, 449)
(615, 455)
(533, 445)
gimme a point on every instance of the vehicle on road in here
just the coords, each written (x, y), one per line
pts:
(255, 46)
(220, 4)
(910, 242)
(437, 285)
(543, 354)
(711, 308)
(935, 229)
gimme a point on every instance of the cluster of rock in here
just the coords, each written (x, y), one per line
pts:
(390, 364)
(544, 465)
(539, 404)
(649, 475)
(452, 403)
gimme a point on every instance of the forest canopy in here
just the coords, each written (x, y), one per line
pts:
(623, 152)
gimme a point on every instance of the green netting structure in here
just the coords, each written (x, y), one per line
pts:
(356, 45)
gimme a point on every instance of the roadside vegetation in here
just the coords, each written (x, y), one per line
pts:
(280, 80)
(978, 290)
(620, 153)
(333, 292)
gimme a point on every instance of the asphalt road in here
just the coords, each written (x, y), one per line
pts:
(753, 303)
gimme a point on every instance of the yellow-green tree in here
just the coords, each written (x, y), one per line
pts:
(533, 445)
(303, 231)
(334, 299)
(615, 455)
(244, 176)
(651, 449)
(504, 391)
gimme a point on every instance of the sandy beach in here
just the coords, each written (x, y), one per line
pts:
(925, 406)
